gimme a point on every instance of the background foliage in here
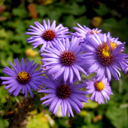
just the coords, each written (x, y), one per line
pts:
(15, 18)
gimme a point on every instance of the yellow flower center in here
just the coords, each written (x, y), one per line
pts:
(23, 77)
(99, 86)
(91, 32)
(113, 45)
(106, 51)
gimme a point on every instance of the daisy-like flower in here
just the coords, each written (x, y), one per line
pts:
(105, 57)
(23, 77)
(100, 90)
(67, 95)
(45, 34)
(82, 32)
(64, 59)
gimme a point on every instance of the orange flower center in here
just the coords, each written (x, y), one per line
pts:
(49, 35)
(63, 91)
(68, 58)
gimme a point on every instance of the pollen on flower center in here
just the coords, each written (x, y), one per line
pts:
(91, 31)
(23, 77)
(99, 86)
(113, 45)
(49, 35)
(104, 54)
(67, 58)
(63, 91)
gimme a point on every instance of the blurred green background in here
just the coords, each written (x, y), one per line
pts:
(15, 18)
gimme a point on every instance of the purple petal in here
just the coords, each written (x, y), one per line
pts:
(66, 73)
(59, 73)
(76, 72)
(64, 108)
(74, 105)
(17, 90)
(29, 89)
(57, 106)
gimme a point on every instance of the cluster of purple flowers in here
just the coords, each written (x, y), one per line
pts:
(65, 57)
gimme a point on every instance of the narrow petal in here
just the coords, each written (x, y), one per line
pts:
(66, 73)
(71, 75)
(74, 105)
(29, 89)
(17, 90)
(57, 106)
(59, 73)
(76, 72)
(64, 107)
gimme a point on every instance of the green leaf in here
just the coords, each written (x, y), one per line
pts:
(38, 121)
(83, 113)
(3, 33)
(102, 10)
(117, 116)
(5, 57)
(70, 21)
(31, 22)
(87, 118)
(3, 94)
(83, 21)
(63, 123)
(6, 14)
(41, 10)
(91, 104)
(19, 26)
(37, 59)
(3, 43)
(75, 9)
(97, 125)
(110, 25)
(20, 12)
(55, 14)
(16, 48)
(84, 77)
(3, 124)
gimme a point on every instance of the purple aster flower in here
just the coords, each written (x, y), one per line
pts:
(45, 34)
(82, 32)
(99, 90)
(64, 59)
(67, 95)
(104, 57)
(23, 77)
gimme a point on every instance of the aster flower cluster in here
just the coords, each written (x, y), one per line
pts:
(65, 57)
